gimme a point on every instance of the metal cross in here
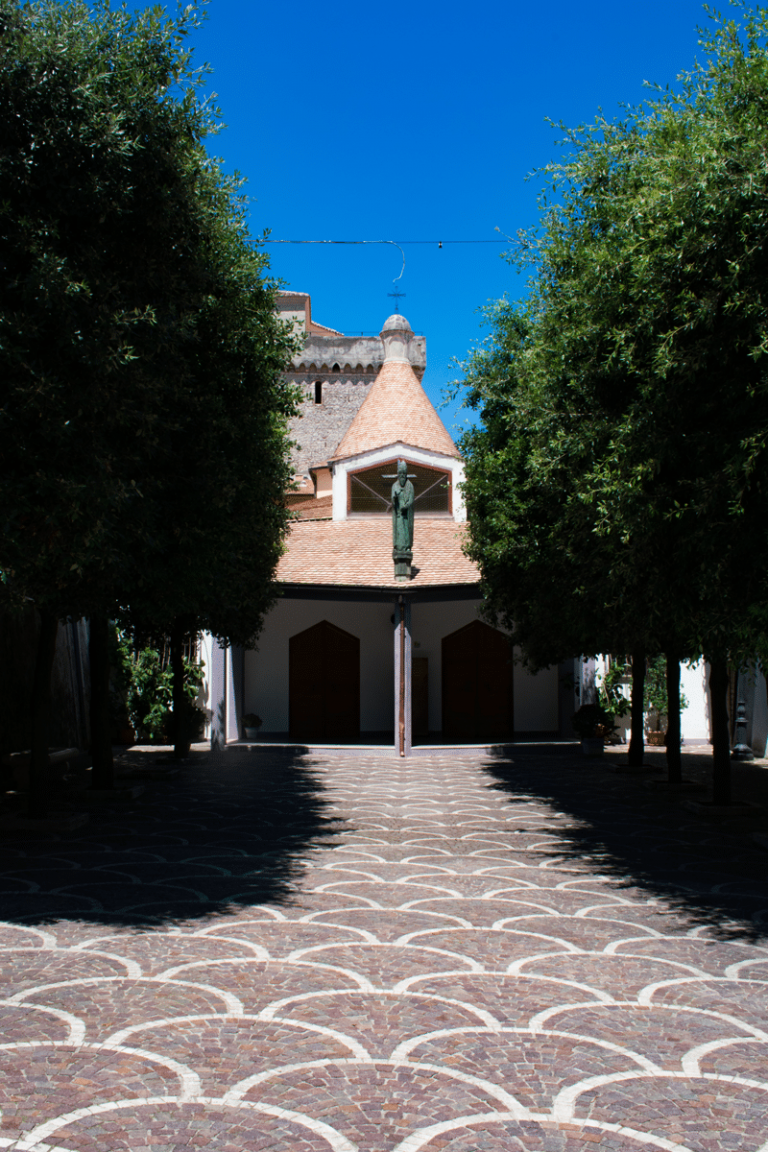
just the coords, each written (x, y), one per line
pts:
(398, 296)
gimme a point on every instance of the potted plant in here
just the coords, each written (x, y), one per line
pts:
(251, 725)
(612, 698)
(593, 722)
(655, 702)
(656, 734)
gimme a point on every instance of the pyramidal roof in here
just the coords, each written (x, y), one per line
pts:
(397, 408)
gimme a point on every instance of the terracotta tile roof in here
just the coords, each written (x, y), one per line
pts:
(358, 553)
(309, 508)
(322, 329)
(396, 408)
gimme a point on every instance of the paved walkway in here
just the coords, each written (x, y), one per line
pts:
(458, 954)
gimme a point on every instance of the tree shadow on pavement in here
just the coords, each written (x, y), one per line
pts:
(229, 830)
(616, 827)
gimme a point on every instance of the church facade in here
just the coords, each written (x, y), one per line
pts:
(354, 652)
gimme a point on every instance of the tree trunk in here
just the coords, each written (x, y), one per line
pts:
(721, 744)
(181, 720)
(674, 759)
(101, 738)
(636, 742)
(41, 715)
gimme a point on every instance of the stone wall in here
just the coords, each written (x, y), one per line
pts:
(353, 354)
(320, 427)
(346, 367)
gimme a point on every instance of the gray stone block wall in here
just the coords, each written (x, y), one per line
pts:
(353, 354)
(346, 366)
(320, 427)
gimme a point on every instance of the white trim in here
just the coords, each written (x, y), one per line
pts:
(384, 454)
(384, 451)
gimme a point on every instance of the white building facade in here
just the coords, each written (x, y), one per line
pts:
(350, 655)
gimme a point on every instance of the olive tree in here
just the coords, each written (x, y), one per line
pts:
(645, 409)
(138, 346)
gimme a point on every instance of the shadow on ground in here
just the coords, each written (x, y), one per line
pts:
(228, 831)
(620, 827)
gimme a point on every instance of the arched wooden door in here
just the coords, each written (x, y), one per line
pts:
(324, 685)
(477, 684)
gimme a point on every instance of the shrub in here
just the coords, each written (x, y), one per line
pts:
(142, 684)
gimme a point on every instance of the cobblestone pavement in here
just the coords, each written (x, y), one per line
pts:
(303, 954)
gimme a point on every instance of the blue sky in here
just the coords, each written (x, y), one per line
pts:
(419, 122)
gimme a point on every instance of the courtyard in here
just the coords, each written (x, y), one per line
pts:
(311, 952)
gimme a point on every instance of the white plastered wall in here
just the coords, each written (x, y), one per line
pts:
(266, 670)
(204, 695)
(535, 696)
(536, 699)
(759, 713)
(694, 719)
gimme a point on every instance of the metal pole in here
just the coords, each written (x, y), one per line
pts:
(402, 677)
(741, 750)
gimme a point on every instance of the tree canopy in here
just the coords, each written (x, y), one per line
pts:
(143, 402)
(143, 406)
(616, 485)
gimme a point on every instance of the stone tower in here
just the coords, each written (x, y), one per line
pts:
(335, 373)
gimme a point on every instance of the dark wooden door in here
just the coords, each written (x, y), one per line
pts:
(420, 695)
(477, 684)
(324, 685)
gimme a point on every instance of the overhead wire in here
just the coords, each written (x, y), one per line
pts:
(269, 240)
(396, 243)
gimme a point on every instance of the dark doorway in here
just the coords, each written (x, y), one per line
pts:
(324, 685)
(420, 697)
(477, 685)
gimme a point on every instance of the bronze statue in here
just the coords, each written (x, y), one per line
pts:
(402, 522)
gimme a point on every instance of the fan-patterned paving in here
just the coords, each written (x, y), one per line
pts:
(359, 954)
